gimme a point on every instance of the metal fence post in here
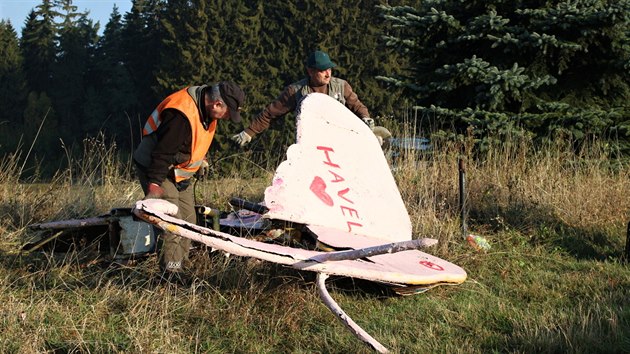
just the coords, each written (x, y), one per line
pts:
(626, 256)
(462, 196)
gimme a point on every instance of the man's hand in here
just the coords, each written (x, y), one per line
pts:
(369, 122)
(154, 191)
(242, 138)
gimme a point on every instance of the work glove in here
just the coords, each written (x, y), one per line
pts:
(242, 138)
(383, 135)
(369, 122)
(154, 191)
(203, 170)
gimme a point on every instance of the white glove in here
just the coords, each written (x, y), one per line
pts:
(382, 134)
(369, 122)
(242, 138)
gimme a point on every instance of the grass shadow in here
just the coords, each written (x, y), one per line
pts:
(545, 228)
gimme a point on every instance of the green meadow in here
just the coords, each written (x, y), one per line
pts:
(553, 280)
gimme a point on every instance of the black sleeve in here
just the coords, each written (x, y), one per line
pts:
(174, 137)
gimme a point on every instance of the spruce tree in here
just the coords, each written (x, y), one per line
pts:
(350, 35)
(235, 53)
(263, 46)
(39, 49)
(12, 80)
(12, 87)
(77, 41)
(184, 54)
(115, 94)
(508, 67)
(38, 46)
(142, 36)
(39, 115)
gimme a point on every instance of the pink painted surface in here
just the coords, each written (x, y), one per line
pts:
(337, 176)
(336, 181)
(413, 261)
(406, 268)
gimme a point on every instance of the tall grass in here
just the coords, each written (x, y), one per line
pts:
(520, 187)
(555, 218)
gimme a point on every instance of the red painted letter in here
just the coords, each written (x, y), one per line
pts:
(342, 193)
(326, 151)
(337, 177)
(352, 212)
(350, 224)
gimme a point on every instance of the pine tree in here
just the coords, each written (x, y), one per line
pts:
(234, 53)
(68, 13)
(263, 46)
(352, 36)
(77, 41)
(39, 47)
(501, 67)
(12, 80)
(39, 112)
(184, 54)
(292, 30)
(115, 96)
(142, 44)
(12, 87)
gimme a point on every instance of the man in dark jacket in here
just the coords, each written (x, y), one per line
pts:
(320, 79)
(176, 138)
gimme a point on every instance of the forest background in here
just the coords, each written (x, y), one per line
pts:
(486, 69)
(537, 92)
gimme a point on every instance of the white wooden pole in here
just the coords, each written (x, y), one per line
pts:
(343, 317)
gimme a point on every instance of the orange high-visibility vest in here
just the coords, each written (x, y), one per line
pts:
(201, 138)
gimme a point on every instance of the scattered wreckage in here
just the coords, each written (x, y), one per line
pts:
(334, 195)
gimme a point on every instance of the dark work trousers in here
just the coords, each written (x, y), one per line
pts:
(174, 249)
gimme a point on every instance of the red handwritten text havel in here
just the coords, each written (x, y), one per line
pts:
(318, 186)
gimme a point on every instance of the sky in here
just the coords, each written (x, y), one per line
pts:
(100, 10)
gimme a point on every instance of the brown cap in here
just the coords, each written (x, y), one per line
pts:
(233, 97)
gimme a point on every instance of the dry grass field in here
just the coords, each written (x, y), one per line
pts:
(552, 281)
